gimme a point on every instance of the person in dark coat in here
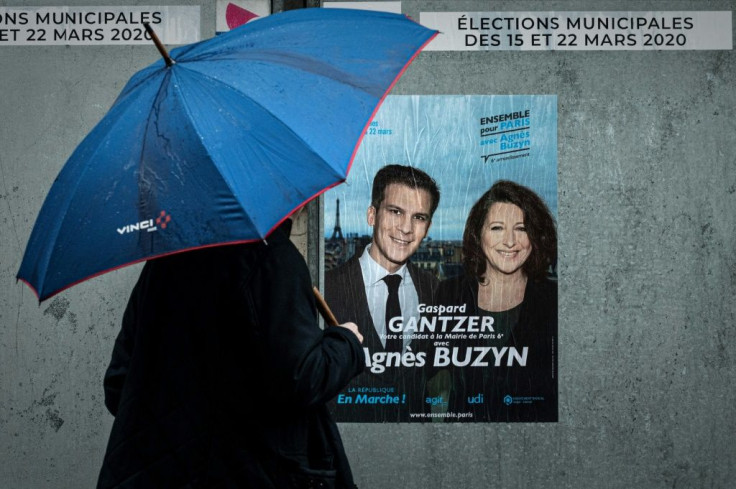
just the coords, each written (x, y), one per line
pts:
(220, 375)
(403, 201)
(509, 245)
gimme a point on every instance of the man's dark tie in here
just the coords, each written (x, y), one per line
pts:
(393, 309)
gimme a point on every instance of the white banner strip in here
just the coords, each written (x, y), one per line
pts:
(579, 31)
(34, 26)
(391, 7)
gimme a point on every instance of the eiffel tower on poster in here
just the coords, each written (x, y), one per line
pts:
(337, 231)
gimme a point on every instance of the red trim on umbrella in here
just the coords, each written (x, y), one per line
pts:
(362, 133)
(118, 267)
(33, 289)
(287, 216)
(380, 102)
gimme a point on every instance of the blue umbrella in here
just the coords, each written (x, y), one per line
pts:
(219, 143)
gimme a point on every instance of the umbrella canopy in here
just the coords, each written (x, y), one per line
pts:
(222, 145)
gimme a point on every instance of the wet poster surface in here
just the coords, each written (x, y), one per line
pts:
(469, 334)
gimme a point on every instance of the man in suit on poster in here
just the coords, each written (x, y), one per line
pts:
(379, 289)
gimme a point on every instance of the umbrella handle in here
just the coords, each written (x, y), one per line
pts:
(159, 44)
(324, 309)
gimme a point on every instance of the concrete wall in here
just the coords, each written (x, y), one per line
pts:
(647, 206)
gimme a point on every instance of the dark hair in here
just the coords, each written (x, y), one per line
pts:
(405, 175)
(538, 221)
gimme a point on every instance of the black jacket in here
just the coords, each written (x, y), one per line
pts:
(510, 394)
(345, 294)
(220, 375)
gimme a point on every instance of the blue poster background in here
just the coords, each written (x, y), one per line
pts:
(466, 143)
(442, 136)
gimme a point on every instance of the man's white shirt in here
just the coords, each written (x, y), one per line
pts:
(376, 291)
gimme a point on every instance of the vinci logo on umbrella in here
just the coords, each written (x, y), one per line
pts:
(148, 225)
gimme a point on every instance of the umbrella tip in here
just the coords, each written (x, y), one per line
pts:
(159, 44)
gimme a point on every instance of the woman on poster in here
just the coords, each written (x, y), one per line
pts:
(509, 247)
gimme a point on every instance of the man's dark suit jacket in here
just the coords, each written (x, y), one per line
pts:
(345, 294)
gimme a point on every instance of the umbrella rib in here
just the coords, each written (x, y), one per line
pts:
(306, 64)
(130, 88)
(265, 109)
(213, 158)
(45, 258)
(168, 73)
(60, 222)
(335, 172)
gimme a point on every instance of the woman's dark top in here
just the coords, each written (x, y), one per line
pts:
(524, 391)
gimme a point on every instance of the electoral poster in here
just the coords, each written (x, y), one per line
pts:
(442, 247)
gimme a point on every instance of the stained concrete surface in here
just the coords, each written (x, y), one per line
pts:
(647, 219)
